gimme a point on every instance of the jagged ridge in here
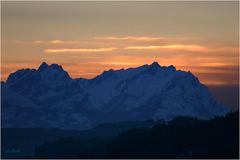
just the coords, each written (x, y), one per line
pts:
(51, 98)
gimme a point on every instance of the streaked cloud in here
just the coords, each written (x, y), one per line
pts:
(132, 38)
(218, 78)
(171, 46)
(121, 63)
(147, 38)
(190, 47)
(75, 50)
(56, 42)
(213, 64)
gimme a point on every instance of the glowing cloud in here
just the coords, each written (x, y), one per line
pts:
(134, 38)
(174, 46)
(121, 63)
(190, 47)
(79, 50)
(56, 42)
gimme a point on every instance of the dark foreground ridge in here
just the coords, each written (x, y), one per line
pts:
(182, 137)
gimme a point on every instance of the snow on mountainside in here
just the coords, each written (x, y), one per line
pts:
(49, 97)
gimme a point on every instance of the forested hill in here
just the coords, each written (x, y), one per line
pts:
(183, 137)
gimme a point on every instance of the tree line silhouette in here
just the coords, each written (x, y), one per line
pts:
(183, 137)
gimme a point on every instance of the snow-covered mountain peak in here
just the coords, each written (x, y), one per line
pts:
(28, 81)
(144, 92)
(20, 75)
(171, 68)
(155, 65)
(44, 66)
(110, 71)
(52, 73)
(153, 68)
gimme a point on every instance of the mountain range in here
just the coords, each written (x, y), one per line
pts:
(49, 97)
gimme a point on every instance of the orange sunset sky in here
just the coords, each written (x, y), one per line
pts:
(87, 38)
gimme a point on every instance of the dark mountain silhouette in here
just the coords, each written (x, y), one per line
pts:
(49, 97)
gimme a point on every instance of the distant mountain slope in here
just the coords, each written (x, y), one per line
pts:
(49, 97)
